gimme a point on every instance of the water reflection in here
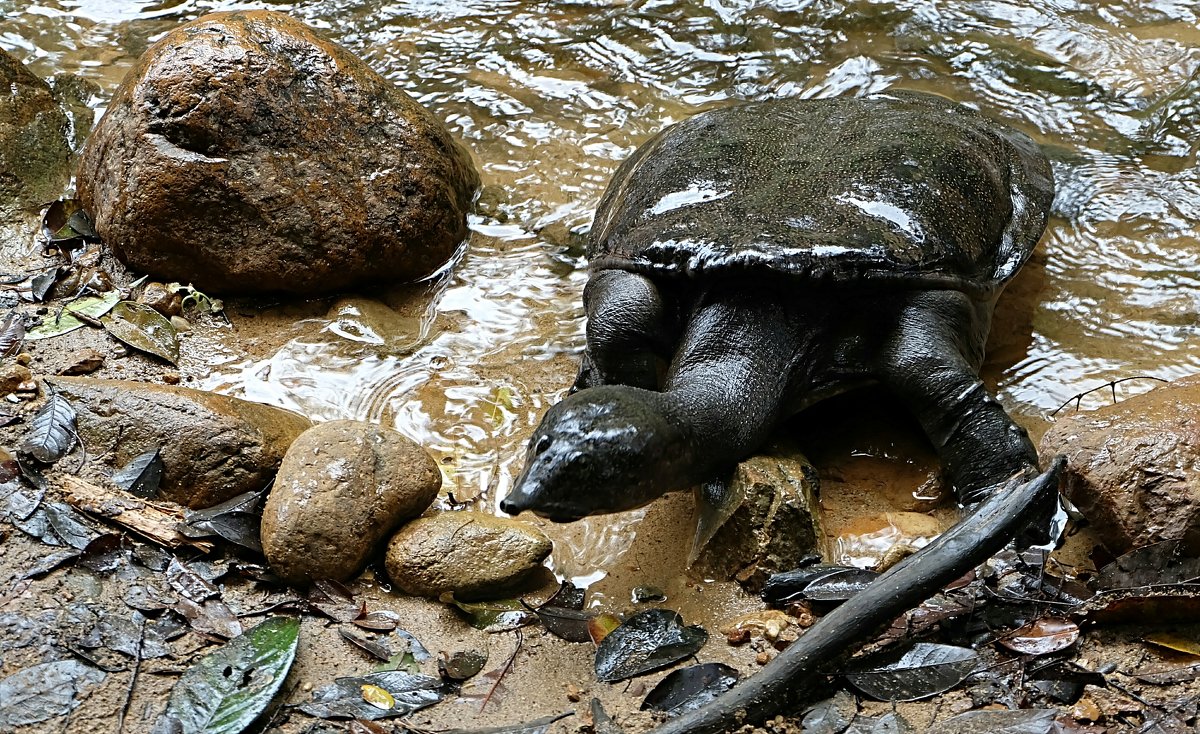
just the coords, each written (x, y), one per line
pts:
(551, 96)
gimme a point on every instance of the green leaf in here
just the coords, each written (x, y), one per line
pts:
(141, 327)
(500, 615)
(228, 689)
(58, 324)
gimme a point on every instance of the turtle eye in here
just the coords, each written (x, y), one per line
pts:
(542, 444)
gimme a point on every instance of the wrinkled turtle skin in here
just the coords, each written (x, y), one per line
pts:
(752, 260)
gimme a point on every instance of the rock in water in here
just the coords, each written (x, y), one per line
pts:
(35, 148)
(770, 523)
(472, 554)
(342, 488)
(246, 153)
(1133, 469)
(213, 447)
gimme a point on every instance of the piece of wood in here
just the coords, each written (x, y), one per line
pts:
(154, 521)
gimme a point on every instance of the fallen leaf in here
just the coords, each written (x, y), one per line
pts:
(371, 647)
(343, 699)
(817, 583)
(601, 626)
(378, 697)
(226, 690)
(43, 691)
(1042, 636)
(1174, 642)
(502, 615)
(537, 726)
(63, 322)
(830, 716)
(188, 582)
(687, 689)
(12, 333)
(237, 520)
(918, 671)
(647, 641)
(462, 665)
(40, 284)
(1164, 563)
(1171, 677)
(141, 476)
(568, 624)
(145, 329)
(51, 431)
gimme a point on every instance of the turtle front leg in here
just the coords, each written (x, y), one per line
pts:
(626, 329)
(931, 363)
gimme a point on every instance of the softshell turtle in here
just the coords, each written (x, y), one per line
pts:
(775, 253)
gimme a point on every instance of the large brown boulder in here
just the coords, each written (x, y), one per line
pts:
(342, 488)
(1133, 469)
(35, 148)
(213, 447)
(246, 153)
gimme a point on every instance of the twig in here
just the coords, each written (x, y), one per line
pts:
(503, 671)
(137, 666)
(1111, 385)
(141, 516)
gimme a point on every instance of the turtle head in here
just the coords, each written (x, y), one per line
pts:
(604, 449)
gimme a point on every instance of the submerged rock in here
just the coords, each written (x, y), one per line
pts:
(342, 488)
(35, 147)
(324, 175)
(1133, 469)
(472, 554)
(772, 521)
(213, 447)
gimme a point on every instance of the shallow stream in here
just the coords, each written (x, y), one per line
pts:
(551, 96)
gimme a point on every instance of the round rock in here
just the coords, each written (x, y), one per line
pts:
(342, 488)
(325, 175)
(472, 554)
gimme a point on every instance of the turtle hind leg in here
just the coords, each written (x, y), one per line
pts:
(626, 331)
(931, 363)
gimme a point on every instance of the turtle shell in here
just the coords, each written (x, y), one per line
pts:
(903, 187)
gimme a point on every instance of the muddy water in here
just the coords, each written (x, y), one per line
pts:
(551, 96)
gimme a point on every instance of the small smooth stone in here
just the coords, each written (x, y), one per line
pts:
(472, 554)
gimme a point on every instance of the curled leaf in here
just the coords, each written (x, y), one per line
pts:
(12, 333)
(141, 475)
(1042, 636)
(145, 329)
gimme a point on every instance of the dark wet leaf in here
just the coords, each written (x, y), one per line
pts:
(371, 647)
(51, 561)
(226, 690)
(1171, 677)
(1021, 721)
(1042, 636)
(41, 284)
(141, 475)
(51, 431)
(7, 419)
(648, 595)
(145, 329)
(236, 520)
(501, 615)
(602, 723)
(830, 716)
(690, 688)
(188, 582)
(65, 220)
(212, 617)
(889, 723)
(70, 525)
(12, 333)
(462, 665)
(647, 641)
(817, 583)
(1163, 563)
(43, 691)
(919, 671)
(23, 502)
(149, 598)
(568, 624)
(343, 699)
(568, 596)
(420, 654)
(62, 322)
(537, 726)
